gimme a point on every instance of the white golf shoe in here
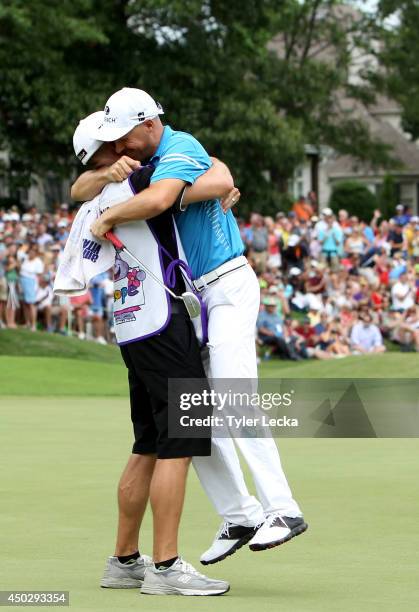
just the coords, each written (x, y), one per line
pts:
(228, 539)
(277, 530)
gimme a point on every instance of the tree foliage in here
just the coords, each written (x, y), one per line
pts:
(253, 80)
(387, 198)
(399, 54)
(354, 197)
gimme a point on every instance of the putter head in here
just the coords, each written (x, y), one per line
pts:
(192, 304)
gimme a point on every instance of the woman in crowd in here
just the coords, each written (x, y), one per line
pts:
(31, 267)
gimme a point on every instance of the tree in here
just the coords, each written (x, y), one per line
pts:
(253, 80)
(387, 198)
(263, 79)
(399, 54)
(354, 197)
(60, 61)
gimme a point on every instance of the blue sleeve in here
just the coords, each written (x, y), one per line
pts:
(185, 159)
(261, 320)
(369, 234)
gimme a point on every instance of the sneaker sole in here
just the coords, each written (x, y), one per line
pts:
(121, 583)
(294, 532)
(166, 590)
(239, 544)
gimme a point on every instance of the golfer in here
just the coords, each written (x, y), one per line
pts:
(158, 465)
(229, 288)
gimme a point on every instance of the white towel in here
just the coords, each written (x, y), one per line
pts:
(84, 255)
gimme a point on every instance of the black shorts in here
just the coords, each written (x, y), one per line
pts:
(174, 353)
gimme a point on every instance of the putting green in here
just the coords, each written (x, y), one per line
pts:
(61, 458)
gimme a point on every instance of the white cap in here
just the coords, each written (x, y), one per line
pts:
(84, 145)
(328, 212)
(124, 110)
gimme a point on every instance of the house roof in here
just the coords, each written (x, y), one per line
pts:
(403, 149)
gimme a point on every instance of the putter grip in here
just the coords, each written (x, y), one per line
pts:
(115, 240)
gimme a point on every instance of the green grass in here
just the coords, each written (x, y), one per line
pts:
(61, 459)
(24, 343)
(387, 365)
(39, 364)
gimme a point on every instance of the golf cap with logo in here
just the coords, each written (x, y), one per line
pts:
(84, 145)
(124, 110)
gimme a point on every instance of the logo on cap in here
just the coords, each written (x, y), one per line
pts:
(107, 110)
(141, 115)
(82, 154)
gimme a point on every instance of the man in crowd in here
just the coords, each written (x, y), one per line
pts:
(270, 328)
(366, 337)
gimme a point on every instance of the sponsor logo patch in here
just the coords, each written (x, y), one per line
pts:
(91, 250)
(82, 154)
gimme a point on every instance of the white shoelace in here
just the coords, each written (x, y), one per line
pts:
(272, 518)
(223, 530)
(187, 568)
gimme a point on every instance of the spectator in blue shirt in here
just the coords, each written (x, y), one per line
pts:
(403, 215)
(271, 329)
(330, 236)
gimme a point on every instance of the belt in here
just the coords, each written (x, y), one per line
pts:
(206, 280)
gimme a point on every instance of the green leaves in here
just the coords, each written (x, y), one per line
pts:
(254, 80)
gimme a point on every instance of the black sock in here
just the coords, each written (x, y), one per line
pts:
(129, 558)
(165, 564)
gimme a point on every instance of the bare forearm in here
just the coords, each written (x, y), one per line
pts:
(89, 184)
(138, 208)
(145, 205)
(215, 183)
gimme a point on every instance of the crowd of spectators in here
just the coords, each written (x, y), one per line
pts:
(334, 285)
(331, 285)
(31, 245)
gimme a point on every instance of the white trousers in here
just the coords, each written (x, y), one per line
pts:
(233, 306)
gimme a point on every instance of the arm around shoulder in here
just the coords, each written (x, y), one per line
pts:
(89, 184)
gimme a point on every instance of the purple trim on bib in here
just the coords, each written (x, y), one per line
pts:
(130, 183)
(169, 279)
(171, 271)
(169, 304)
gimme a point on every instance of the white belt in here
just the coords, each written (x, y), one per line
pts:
(206, 280)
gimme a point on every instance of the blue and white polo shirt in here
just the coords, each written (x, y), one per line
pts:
(209, 237)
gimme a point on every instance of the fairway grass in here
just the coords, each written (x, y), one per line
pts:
(46, 376)
(61, 459)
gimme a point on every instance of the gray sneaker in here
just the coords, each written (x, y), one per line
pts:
(181, 579)
(121, 576)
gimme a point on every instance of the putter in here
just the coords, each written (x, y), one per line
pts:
(192, 303)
